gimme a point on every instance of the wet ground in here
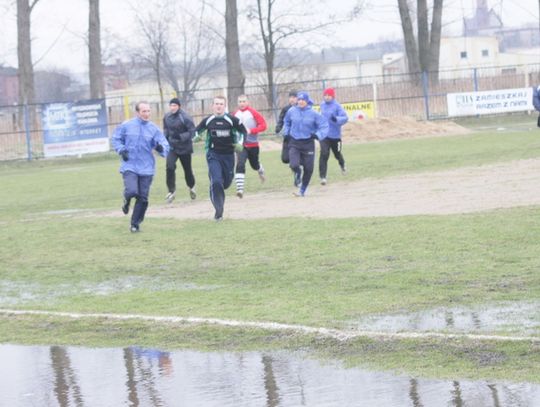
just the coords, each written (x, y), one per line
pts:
(72, 376)
(520, 318)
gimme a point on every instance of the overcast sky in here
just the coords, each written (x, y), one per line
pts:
(58, 25)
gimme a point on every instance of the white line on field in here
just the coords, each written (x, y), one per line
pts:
(340, 335)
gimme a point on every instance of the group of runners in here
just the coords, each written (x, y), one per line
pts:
(231, 140)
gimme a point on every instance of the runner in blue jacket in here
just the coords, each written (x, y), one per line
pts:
(303, 125)
(336, 117)
(134, 141)
(536, 102)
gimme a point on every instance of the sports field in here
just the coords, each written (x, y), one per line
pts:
(437, 223)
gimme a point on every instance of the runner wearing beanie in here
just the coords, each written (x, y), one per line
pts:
(336, 117)
(303, 125)
(179, 130)
(279, 126)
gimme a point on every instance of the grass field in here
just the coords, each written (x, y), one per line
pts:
(58, 255)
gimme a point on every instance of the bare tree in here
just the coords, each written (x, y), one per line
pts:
(195, 46)
(97, 89)
(423, 57)
(154, 27)
(235, 76)
(24, 51)
(289, 22)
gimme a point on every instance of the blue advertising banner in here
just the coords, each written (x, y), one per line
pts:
(74, 128)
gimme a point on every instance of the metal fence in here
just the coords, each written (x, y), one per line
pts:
(415, 95)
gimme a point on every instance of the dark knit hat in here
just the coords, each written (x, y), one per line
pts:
(175, 101)
(292, 93)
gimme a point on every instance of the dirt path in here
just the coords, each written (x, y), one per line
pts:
(463, 190)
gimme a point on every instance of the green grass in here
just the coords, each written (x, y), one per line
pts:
(300, 271)
(94, 182)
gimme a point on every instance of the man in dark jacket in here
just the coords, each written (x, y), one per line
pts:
(179, 130)
(279, 126)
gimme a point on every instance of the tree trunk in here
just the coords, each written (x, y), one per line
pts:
(435, 41)
(235, 76)
(408, 36)
(97, 89)
(24, 52)
(423, 35)
(269, 49)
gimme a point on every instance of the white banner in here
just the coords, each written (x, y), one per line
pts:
(489, 102)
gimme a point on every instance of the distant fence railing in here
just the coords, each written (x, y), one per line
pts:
(419, 95)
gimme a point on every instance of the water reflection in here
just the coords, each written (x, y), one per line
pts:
(520, 317)
(70, 376)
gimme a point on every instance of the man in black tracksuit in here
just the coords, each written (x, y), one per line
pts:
(224, 134)
(285, 147)
(179, 130)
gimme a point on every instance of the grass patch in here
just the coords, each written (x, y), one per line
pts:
(443, 359)
(299, 271)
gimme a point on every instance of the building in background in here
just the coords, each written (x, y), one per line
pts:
(9, 86)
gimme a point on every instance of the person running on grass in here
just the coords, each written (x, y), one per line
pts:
(254, 123)
(179, 130)
(134, 141)
(224, 134)
(279, 126)
(536, 102)
(303, 125)
(336, 117)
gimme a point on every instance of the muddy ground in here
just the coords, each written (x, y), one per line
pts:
(463, 190)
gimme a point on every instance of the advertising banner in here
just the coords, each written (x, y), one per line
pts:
(489, 102)
(74, 128)
(360, 110)
(356, 110)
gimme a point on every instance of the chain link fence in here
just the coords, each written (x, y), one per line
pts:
(422, 96)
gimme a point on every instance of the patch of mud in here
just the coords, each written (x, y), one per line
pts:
(386, 128)
(516, 317)
(65, 212)
(463, 190)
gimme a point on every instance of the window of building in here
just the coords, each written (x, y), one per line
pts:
(485, 53)
(463, 54)
(508, 71)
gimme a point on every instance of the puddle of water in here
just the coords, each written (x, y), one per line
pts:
(71, 376)
(516, 317)
(13, 293)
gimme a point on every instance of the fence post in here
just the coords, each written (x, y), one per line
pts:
(425, 88)
(475, 79)
(126, 107)
(27, 132)
(374, 87)
(275, 106)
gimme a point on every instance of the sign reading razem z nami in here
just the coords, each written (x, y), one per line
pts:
(489, 102)
(74, 128)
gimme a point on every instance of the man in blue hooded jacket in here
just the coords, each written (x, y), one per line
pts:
(303, 125)
(134, 141)
(336, 117)
(536, 102)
